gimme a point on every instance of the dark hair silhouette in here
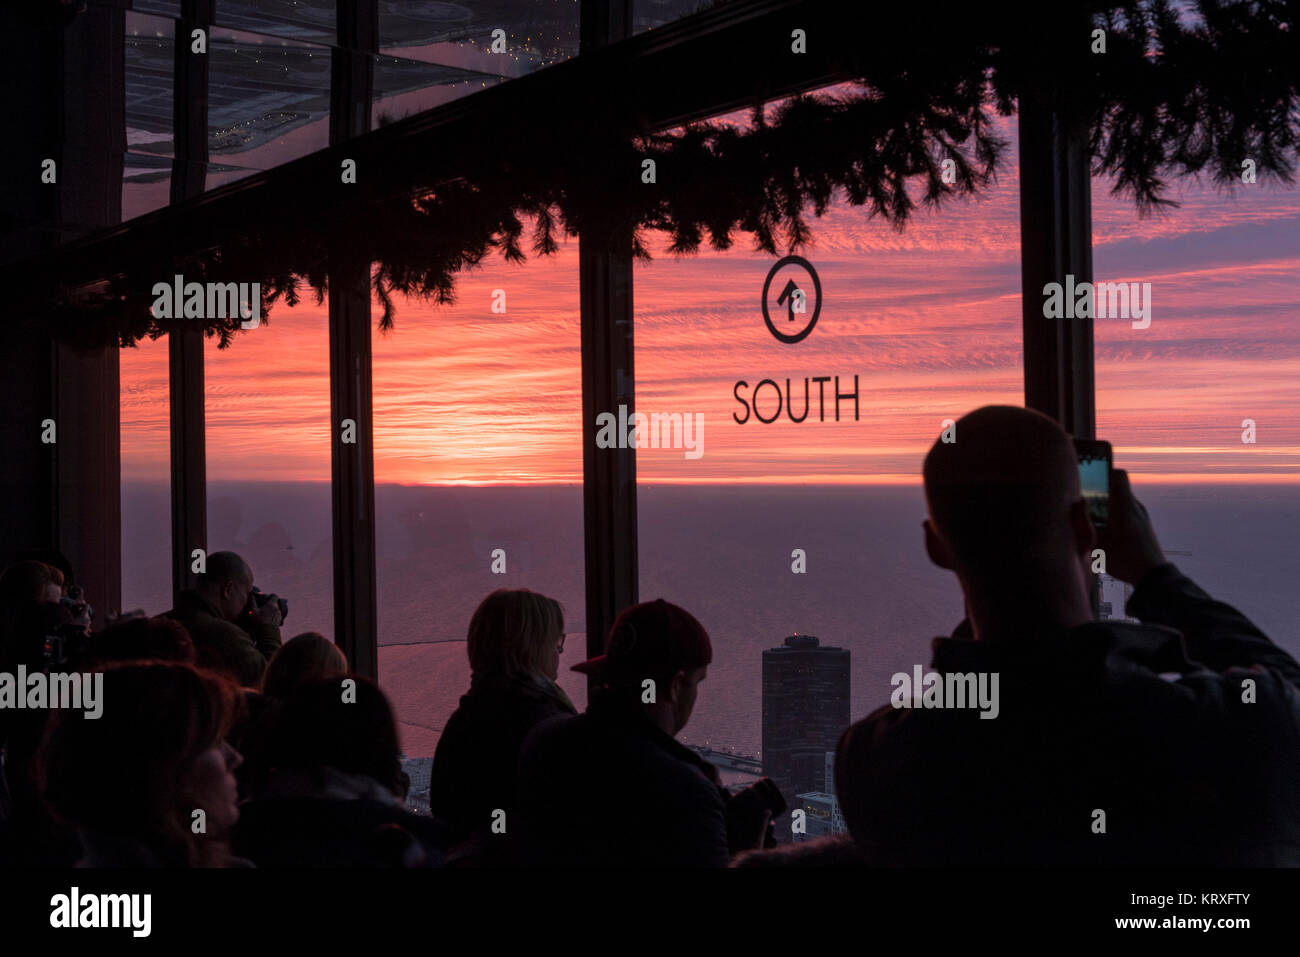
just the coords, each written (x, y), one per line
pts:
(52, 557)
(122, 773)
(22, 585)
(140, 639)
(222, 567)
(1001, 495)
(350, 728)
(302, 659)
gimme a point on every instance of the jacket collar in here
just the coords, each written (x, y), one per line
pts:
(486, 688)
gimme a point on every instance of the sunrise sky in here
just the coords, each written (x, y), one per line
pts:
(929, 319)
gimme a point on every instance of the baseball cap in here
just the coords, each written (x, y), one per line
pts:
(649, 640)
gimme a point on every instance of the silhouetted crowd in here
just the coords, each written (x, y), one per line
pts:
(1170, 742)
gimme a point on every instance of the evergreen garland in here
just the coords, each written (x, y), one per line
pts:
(1168, 98)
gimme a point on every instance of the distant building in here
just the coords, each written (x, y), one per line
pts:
(837, 816)
(822, 815)
(805, 709)
(817, 810)
(420, 771)
(1114, 596)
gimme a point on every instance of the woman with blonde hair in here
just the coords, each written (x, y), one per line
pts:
(515, 640)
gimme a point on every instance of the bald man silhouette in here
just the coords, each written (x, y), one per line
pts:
(1165, 743)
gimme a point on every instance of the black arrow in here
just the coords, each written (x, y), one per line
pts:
(788, 293)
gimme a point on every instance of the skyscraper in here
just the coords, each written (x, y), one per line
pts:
(805, 708)
(822, 814)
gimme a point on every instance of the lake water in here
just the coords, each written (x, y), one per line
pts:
(723, 553)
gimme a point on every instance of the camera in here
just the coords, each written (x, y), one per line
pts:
(260, 598)
(62, 642)
(63, 628)
(78, 608)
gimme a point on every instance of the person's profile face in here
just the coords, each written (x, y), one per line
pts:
(237, 594)
(551, 658)
(687, 685)
(208, 782)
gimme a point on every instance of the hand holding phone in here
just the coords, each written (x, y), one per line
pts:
(1129, 540)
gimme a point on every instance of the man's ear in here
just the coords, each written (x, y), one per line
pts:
(937, 548)
(676, 686)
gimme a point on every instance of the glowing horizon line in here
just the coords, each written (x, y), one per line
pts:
(891, 479)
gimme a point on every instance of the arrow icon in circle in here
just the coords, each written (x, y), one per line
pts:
(791, 292)
(794, 296)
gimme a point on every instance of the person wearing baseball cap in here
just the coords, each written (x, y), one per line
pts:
(613, 787)
(659, 642)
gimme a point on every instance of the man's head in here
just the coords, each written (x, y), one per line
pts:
(656, 642)
(226, 584)
(1004, 501)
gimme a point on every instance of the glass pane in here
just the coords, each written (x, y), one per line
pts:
(404, 87)
(162, 8)
(1200, 397)
(799, 510)
(146, 478)
(478, 447)
(268, 451)
(219, 174)
(649, 14)
(294, 19)
(268, 99)
(149, 64)
(146, 184)
(148, 68)
(534, 34)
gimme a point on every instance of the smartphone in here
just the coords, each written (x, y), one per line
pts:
(1094, 478)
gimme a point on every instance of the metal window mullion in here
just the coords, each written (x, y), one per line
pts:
(352, 465)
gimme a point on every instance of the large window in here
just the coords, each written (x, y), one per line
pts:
(146, 478)
(267, 402)
(268, 101)
(1200, 396)
(800, 512)
(149, 61)
(478, 472)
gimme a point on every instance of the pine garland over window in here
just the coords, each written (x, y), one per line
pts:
(1174, 94)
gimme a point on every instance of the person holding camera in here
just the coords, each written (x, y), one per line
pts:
(1169, 742)
(613, 787)
(234, 627)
